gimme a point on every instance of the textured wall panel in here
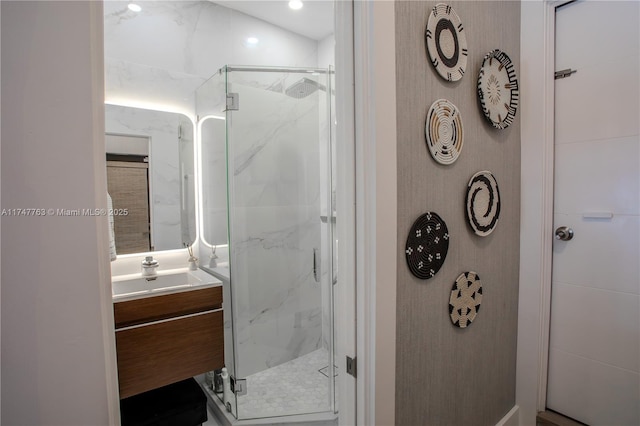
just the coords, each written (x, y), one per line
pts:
(447, 375)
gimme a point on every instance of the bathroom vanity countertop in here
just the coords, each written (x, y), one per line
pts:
(135, 286)
(221, 271)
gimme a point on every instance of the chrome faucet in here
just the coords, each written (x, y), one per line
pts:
(149, 266)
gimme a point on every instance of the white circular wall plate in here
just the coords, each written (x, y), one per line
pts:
(483, 203)
(498, 89)
(444, 132)
(465, 300)
(446, 42)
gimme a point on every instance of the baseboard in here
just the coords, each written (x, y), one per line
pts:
(511, 418)
(551, 418)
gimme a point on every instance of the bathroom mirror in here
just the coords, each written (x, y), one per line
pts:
(150, 178)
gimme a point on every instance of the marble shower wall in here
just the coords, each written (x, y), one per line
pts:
(275, 226)
(210, 105)
(165, 169)
(214, 185)
(162, 54)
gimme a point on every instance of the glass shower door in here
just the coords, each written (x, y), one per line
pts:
(280, 215)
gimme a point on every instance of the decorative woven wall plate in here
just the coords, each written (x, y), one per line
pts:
(444, 131)
(446, 42)
(427, 245)
(465, 300)
(498, 89)
(483, 203)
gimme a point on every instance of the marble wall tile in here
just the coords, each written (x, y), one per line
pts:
(170, 35)
(275, 227)
(274, 149)
(214, 181)
(165, 52)
(130, 82)
(211, 97)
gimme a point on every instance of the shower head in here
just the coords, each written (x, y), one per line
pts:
(303, 88)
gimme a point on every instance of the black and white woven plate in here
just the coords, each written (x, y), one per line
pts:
(427, 245)
(446, 42)
(444, 132)
(498, 89)
(483, 203)
(465, 300)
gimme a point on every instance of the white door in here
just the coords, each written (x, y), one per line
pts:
(594, 353)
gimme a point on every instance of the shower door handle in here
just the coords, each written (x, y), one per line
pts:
(316, 266)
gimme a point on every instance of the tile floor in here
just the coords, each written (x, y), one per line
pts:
(211, 421)
(295, 387)
(300, 386)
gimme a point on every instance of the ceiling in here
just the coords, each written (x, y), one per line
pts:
(314, 20)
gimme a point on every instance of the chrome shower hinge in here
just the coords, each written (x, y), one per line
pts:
(238, 386)
(352, 366)
(233, 102)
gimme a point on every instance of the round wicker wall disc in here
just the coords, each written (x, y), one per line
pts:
(498, 89)
(483, 203)
(446, 42)
(427, 245)
(444, 132)
(465, 300)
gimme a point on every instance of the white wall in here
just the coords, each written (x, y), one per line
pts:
(58, 349)
(326, 51)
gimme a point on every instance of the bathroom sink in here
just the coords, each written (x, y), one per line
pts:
(134, 286)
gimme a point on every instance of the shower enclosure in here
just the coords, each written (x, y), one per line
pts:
(267, 205)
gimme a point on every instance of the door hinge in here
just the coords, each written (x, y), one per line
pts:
(238, 386)
(352, 366)
(565, 73)
(233, 102)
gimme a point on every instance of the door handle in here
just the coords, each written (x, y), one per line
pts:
(564, 233)
(316, 266)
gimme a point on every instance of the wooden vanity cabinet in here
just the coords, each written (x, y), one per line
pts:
(164, 339)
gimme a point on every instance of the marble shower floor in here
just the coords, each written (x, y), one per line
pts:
(295, 387)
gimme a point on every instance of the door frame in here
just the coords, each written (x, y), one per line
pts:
(537, 177)
(375, 202)
(369, 200)
(356, 301)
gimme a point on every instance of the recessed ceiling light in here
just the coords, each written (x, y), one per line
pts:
(134, 7)
(295, 4)
(252, 40)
